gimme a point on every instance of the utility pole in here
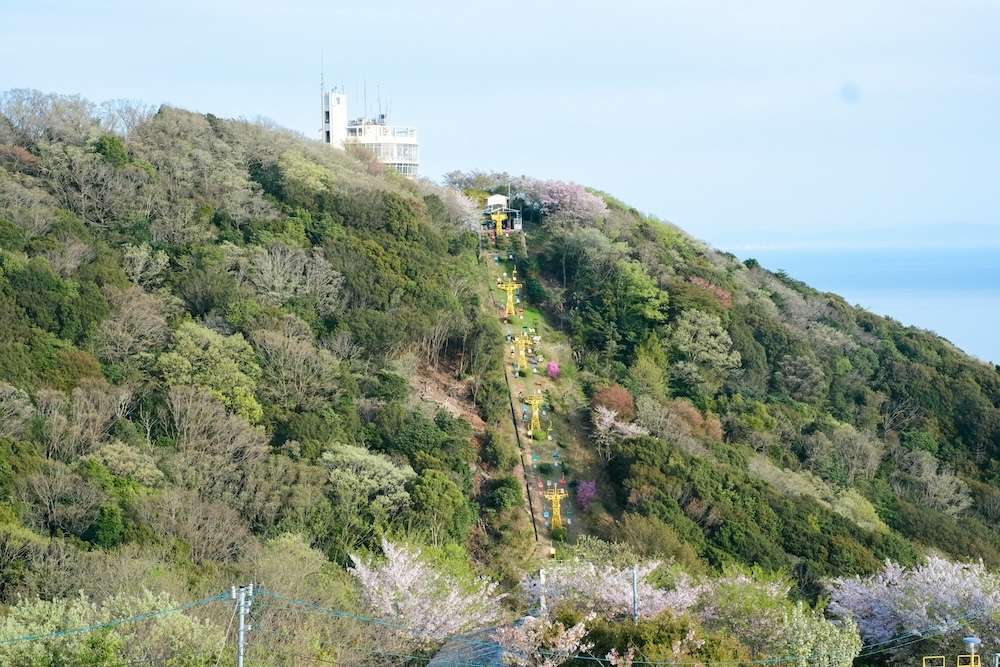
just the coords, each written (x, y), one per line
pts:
(541, 591)
(244, 597)
(635, 593)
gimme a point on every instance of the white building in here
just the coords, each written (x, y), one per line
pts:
(394, 145)
(499, 216)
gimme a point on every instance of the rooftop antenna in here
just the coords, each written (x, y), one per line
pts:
(322, 94)
(378, 97)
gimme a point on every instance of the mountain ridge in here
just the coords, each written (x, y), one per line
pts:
(221, 343)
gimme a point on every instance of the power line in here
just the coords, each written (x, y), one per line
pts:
(111, 624)
(359, 649)
(864, 651)
(279, 602)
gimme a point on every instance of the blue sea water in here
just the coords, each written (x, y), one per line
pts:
(952, 291)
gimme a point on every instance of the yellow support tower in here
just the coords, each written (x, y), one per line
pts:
(509, 286)
(556, 495)
(522, 344)
(535, 401)
(498, 219)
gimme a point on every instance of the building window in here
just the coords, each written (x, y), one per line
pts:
(327, 116)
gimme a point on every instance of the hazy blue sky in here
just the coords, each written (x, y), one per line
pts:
(749, 124)
(739, 121)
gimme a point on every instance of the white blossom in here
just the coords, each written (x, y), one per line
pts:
(427, 603)
(542, 642)
(608, 430)
(939, 600)
(607, 590)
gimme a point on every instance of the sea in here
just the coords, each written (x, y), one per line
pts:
(953, 291)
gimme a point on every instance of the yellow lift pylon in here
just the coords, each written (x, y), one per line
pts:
(498, 219)
(522, 345)
(510, 286)
(535, 401)
(556, 495)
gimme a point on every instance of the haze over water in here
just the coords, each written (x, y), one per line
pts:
(952, 290)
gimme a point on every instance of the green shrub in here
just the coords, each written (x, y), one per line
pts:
(498, 452)
(113, 150)
(505, 493)
(11, 236)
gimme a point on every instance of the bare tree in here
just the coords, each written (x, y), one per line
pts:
(71, 254)
(295, 373)
(214, 532)
(898, 413)
(281, 272)
(123, 116)
(137, 325)
(71, 428)
(61, 500)
(35, 115)
(858, 453)
(16, 411)
(927, 483)
(53, 409)
(217, 451)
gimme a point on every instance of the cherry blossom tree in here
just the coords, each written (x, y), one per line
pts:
(621, 660)
(569, 200)
(608, 430)
(427, 602)
(939, 600)
(585, 492)
(542, 642)
(607, 590)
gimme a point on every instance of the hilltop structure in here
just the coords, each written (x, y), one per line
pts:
(500, 218)
(394, 145)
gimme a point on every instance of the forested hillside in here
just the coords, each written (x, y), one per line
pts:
(232, 354)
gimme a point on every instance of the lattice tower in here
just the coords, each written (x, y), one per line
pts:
(510, 286)
(535, 401)
(556, 495)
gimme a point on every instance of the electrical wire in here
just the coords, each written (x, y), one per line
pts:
(865, 651)
(359, 649)
(111, 624)
(225, 637)
(277, 602)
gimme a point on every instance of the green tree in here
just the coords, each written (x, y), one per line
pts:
(439, 506)
(112, 149)
(368, 493)
(108, 529)
(704, 357)
(224, 366)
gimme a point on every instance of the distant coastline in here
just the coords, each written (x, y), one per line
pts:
(952, 291)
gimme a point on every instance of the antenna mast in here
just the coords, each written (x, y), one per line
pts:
(322, 94)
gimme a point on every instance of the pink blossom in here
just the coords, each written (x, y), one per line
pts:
(411, 593)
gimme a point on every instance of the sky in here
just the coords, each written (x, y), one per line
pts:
(752, 125)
